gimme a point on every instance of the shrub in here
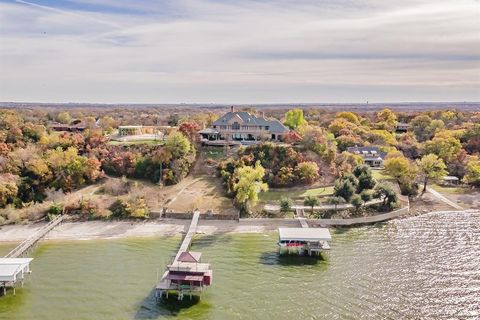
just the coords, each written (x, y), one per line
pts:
(356, 201)
(336, 201)
(285, 204)
(12, 215)
(344, 188)
(55, 209)
(366, 196)
(135, 207)
(311, 201)
(385, 192)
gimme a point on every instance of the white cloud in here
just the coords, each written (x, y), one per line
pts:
(241, 51)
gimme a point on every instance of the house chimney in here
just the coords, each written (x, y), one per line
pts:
(263, 114)
(232, 109)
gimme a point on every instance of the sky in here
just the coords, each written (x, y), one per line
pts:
(239, 51)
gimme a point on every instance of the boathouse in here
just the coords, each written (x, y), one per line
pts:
(309, 241)
(187, 275)
(12, 271)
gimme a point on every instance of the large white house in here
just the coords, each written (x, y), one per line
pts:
(241, 127)
(372, 156)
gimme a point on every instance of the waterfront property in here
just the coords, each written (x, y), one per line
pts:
(186, 275)
(372, 156)
(311, 241)
(241, 127)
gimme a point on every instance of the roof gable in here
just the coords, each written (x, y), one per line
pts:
(189, 256)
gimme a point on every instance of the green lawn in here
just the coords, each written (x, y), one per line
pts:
(450, 190)
(129, 143)
(213, 152)
(275, 195)
(380, 175)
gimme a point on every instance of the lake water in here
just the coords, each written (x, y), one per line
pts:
(423, 267)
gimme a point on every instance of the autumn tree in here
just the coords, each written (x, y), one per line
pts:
(472, 175)
(248, 183)
(294, 119)
(398, 166)
(178, 145)
(71, 170)
(319, 141)
(292, 137)
(444, 145)
(189, 129)
(307, 171)
(408, 144)
(432, 167)
(8, 189)
(419, 124)
(386, 119)
(471, 139)
(349, 116)
(64, 117)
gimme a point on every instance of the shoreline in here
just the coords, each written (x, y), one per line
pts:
(92, 230)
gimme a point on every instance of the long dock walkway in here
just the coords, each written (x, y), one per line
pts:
(23, 247)
(186, 275)
(188, 237)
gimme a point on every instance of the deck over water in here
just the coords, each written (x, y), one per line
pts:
(165, 285)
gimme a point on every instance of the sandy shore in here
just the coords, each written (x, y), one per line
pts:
(121, 229)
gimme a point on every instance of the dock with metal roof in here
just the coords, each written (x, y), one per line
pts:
(311, 241)
(186, 275)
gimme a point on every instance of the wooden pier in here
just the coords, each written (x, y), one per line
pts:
(186, 275)
(23, 247)
(14, 268)
(188, 237)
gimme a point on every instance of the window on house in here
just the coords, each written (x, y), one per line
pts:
(267, 127)
(236, 126)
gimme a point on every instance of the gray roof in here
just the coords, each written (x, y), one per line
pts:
(367, 152)
(304, 234)
(247, 118)
(208, 131)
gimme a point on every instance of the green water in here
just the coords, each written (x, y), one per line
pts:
(423, 267)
